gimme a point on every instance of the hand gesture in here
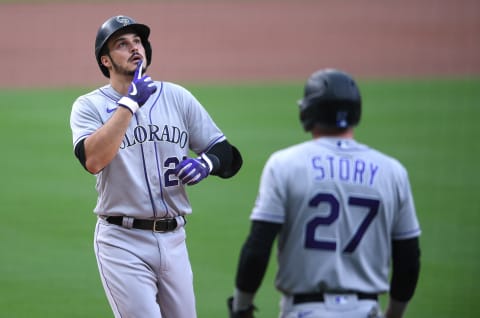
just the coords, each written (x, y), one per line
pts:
(139, 90)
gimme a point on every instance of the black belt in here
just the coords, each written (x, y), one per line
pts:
(160, 225)
(319, 297)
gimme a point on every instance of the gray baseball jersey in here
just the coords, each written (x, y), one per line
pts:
(160, 135)
(340, 203)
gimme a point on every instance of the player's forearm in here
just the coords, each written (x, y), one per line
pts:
(395, 308)
(102, 146)
(254, 256)
(405, 272)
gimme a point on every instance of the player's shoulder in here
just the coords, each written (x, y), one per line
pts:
(174, 90)
(386, 159)
(86, 100)
(172, 87)
(289, 153)
(104, 92)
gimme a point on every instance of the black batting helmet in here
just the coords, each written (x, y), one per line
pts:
(331, 99)
(117, 23)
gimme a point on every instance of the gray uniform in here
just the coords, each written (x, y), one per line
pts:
(137, 265)
(342, 199)
(159, 137)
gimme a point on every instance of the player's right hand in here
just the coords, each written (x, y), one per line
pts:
(141, 88)
(247, 313)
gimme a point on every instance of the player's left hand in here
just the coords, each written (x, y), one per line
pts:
(247, 313)
(192, 170)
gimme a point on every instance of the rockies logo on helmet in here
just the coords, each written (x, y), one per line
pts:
(123, 20)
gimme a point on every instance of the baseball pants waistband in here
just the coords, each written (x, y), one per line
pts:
(159, 226)
(319, 297)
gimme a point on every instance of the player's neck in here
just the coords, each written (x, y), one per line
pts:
(345, 134)
(120, 83)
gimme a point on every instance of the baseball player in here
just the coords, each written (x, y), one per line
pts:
(135, 135)
(343, 213)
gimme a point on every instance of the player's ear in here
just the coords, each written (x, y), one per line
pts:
(105, 60)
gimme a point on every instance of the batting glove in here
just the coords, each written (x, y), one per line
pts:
(192, 170)
(139, 90)
(246, 313)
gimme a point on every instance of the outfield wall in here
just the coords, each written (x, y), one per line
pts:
(216, 41)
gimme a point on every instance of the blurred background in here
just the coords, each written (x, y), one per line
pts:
(416, 62)
(51, 43)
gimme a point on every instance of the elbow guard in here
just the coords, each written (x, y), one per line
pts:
(226, 159)
(80, 153)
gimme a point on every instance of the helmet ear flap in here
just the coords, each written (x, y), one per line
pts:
(148, 51)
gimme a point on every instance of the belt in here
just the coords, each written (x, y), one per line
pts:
(160, 225)
(319, 297)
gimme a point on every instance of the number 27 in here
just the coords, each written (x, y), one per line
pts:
(334, 213)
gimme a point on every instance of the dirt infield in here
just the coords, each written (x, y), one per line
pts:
(216, 41)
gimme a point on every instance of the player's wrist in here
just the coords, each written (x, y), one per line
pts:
(207, 161)
(395, 308)
(242, 300)
(212, 161)
(128, 103)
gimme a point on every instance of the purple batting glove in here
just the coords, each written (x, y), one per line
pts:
(139, 90)
(192, 170)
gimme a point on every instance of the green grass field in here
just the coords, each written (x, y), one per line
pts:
(48, 268)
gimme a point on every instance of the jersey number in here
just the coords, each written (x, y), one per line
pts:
(334, 213)
(169, 175)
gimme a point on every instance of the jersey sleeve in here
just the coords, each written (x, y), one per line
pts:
(84, 119)
(204, 132)
(406, 223)
(271, 197)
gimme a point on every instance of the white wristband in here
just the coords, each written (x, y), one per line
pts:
(208, 161)
(129, 103)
